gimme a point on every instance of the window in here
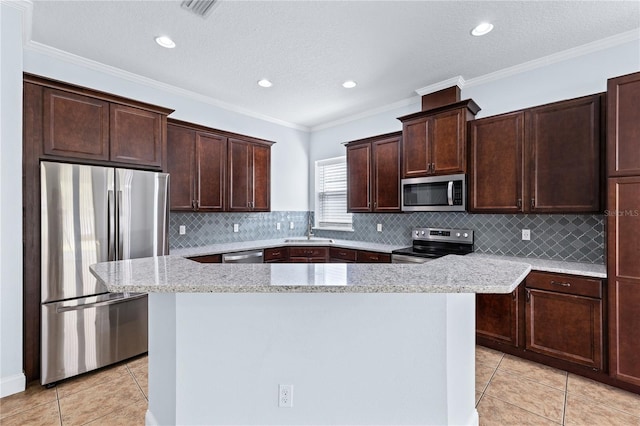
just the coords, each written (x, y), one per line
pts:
(331, 194)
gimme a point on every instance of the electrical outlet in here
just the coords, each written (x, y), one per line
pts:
(285, 396)
(379, 227)
(278, 226)
(526, 235)
(183, 230)
(236, 227)
(290, 225)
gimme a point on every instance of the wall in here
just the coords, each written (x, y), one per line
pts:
(12, 379)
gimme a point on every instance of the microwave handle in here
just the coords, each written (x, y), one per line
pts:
(450, 192)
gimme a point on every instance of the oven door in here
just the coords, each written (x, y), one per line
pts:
(434, 193)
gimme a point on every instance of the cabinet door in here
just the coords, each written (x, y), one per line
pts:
(75, 126)
(372, 257)
(385, 175)
(497, 317)
(495, 164)
(565, 326)
(181, 164)
(358, 178)
(623, 131)
(563, 142)
(136, 136)
(415, 150)
(623, 242)
(211, 163)
(239, 165)
(261, 182)
(210, 258)
(448, 142)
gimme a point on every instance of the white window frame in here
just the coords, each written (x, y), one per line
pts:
(342, 222)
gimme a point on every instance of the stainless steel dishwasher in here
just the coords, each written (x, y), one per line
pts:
(250, 256)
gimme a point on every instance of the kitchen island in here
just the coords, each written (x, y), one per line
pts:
(359, 343)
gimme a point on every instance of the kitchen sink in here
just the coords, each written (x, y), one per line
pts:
(305, 240)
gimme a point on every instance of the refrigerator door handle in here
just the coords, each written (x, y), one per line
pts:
(111, 226)
(98, 304)
(120, 224)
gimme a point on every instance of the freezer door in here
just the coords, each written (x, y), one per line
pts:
(74, 228)
(84, 334)
(142, 200)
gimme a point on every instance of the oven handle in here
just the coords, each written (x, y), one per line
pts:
(450, 192)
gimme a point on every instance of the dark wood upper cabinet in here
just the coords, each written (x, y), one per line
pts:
(373, 174)
(540, 160)
(85, 124)
(136, 136)
(496, 159)
(563, 144)
(359, 178)
(181, 165)
(434, 141)
(623, 131)
(196, 163)
(249, 171)
(75, 126)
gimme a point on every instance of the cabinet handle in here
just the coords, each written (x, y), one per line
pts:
(533, 202)
(561, 283)
(519, 203)
(375, 204)
(198, 204)
(528, 295)
(341, 253)
(193, 204)
(433, 167)
(513, 294)
(275, 253)
(374, 258)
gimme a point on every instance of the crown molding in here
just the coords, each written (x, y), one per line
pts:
(445, 84)
(135, 78)
(368, 113)
(575, 52)
(25, 7)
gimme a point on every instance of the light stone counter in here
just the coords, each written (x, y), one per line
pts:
(263, 244)
(544, 265)
(449, 274)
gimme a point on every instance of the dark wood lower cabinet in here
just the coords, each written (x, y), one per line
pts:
(210, 258)
(498, 317)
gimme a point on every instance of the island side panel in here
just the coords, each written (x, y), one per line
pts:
(162, 359)
(351, 358)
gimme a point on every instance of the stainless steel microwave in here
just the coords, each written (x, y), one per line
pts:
(446, 193)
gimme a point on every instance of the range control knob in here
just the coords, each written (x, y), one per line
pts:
(465, 235)
(458, 234)
(417, 233)
(421, 232)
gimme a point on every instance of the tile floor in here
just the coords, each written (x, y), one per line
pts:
(509, 391)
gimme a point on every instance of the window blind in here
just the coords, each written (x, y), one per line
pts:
(332, 193)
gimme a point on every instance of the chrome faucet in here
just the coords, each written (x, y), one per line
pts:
(309, 228)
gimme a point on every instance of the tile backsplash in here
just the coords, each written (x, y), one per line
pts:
(578, 238)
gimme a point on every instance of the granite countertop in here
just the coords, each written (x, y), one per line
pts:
(263, 244)
(544, 265)
(175, 274)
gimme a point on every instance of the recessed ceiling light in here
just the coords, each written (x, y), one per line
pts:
(264, 83)
(165, 41)
(349, 84)
(482, 29)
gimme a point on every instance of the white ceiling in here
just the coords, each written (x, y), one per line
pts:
(308, 48)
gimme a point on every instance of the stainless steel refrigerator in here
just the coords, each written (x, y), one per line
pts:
(94, 214)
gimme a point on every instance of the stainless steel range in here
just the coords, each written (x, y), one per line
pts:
(431, 243)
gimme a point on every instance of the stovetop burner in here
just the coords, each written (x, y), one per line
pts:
(438, 242)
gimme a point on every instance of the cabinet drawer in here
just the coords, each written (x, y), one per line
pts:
(342, 254)
(373, 257)
(276, 254)
(308, 252)
(210, 258)
(568, 284)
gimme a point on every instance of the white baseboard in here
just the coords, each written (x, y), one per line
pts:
(150, 420)
(12, 384)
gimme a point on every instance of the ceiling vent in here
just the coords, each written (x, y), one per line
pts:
(200, 7)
